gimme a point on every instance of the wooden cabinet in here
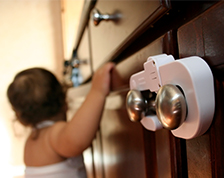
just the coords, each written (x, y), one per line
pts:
(126, 149)
(203, 37)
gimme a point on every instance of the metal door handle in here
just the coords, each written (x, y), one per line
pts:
(98, 17)
(170, 106)
(138, 106)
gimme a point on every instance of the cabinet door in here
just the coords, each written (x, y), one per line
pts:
(204, 37)
(122, 141)
(110, 37)
(126, 148)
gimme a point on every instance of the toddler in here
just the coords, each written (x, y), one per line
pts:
(54, 147)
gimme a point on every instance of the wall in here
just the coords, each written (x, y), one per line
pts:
(30, 35)
(71, 13)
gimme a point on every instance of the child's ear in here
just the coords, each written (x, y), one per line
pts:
(18, 114)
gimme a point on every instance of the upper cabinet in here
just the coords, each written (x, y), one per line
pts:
(118, 29)
(128, 20)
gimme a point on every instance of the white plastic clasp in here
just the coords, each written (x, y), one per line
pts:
(194, 77)
(149, 78)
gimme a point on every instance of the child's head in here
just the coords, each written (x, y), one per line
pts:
(36, 95)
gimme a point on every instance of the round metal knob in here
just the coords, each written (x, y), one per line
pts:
(77, 62)
(98, 17)
(136, 105)
(171, 107)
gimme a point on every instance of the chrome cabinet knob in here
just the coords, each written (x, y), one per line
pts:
(77, 62)
(171, 107)
(98, 17)
(139, 106)
(136, 105)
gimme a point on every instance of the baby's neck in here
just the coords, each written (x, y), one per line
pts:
(50, 121)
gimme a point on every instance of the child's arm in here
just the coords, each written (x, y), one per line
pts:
(72, 138)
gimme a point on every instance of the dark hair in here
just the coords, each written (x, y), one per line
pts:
(36, 95)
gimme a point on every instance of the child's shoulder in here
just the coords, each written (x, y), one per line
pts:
(57, 127)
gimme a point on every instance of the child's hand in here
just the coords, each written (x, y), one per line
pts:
(102, 79)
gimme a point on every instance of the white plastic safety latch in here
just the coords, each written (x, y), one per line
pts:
(194, 77)
(150, 79)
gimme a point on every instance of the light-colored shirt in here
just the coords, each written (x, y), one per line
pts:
(70, 168)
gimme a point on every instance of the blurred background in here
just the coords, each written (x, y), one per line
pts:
(34, 33)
